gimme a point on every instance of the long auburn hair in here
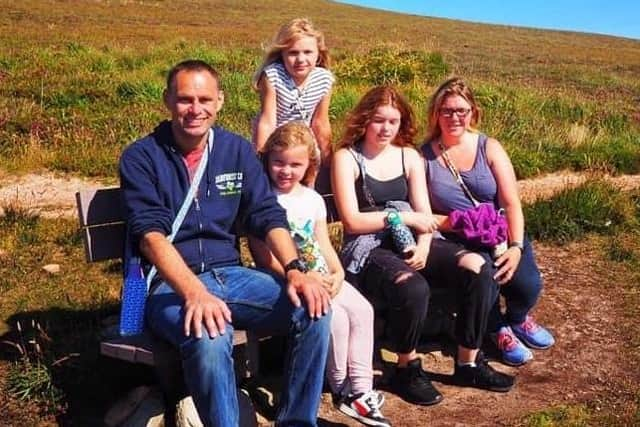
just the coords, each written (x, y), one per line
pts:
(290, 135)
(363, 113)
(288, 34)
(451, 87)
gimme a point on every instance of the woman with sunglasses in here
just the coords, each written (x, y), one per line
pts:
(464, 168)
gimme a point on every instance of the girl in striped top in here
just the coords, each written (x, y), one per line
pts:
(295, 83)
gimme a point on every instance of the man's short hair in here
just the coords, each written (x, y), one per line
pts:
(191, 65)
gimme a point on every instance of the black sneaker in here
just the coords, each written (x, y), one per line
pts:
(482, 376)
(413, 385)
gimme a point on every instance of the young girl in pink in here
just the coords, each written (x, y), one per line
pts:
(291, 159)
(294, 83)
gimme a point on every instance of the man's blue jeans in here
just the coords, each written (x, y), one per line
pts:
(258, 303)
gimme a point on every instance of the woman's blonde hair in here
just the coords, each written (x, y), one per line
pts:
(290, 33)
(451, 87)
(363, 113)
(290, 135)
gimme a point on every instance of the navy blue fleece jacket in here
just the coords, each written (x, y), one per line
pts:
(154, 181)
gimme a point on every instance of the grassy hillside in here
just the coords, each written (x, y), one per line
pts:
(79, 80)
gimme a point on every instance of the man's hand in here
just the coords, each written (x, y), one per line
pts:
(507, 263)
(312, 291)
(204, 308)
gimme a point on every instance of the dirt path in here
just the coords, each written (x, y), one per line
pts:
(50, 195)
(585, 365)
(54, 195)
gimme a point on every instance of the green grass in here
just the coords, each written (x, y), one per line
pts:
(54, 368)
(79, 82)
(31, 376)
(29, 243)
(565, 416)
(594, 207)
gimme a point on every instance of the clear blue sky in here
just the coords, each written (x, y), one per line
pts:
(614, 17)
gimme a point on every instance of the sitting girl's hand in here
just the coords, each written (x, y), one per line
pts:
(330, 282)
(420, 222)
(334, 283)
(434, 224)
(418, 259)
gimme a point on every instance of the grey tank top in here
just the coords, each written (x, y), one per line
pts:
(446, 195)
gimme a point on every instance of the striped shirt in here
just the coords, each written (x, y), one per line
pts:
(293, 103)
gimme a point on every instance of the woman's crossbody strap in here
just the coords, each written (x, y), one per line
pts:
(456, 174)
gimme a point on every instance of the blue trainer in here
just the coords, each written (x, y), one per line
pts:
(514, 353)
(533, 335)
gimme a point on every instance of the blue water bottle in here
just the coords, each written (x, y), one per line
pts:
(134, 295)
(400, 233)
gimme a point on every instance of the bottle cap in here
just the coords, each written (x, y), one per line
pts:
(393, 218)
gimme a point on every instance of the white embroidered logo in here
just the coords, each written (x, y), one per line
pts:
(229, 184)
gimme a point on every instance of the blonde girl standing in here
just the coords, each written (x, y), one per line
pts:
(294, 83)
(290, 160)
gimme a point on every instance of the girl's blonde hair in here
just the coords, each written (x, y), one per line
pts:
(451, 87)
(290, 33)
(290, 135)
(360, 117)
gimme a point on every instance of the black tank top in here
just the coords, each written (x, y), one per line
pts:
(381, 192)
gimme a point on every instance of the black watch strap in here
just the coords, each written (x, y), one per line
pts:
(296, 264)
(516, 244)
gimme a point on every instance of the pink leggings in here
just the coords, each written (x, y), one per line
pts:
(349, 363)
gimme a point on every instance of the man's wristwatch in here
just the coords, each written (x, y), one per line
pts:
(516, 244)
(296, 264)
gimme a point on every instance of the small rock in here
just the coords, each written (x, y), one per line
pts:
(4, 254)
(52, 268)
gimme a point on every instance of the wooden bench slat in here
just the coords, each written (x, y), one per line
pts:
(138, 348)
(101, 218)
(119, 349)
(104, 242)
(99, 207)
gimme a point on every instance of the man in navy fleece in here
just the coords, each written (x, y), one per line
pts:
(202, 292)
